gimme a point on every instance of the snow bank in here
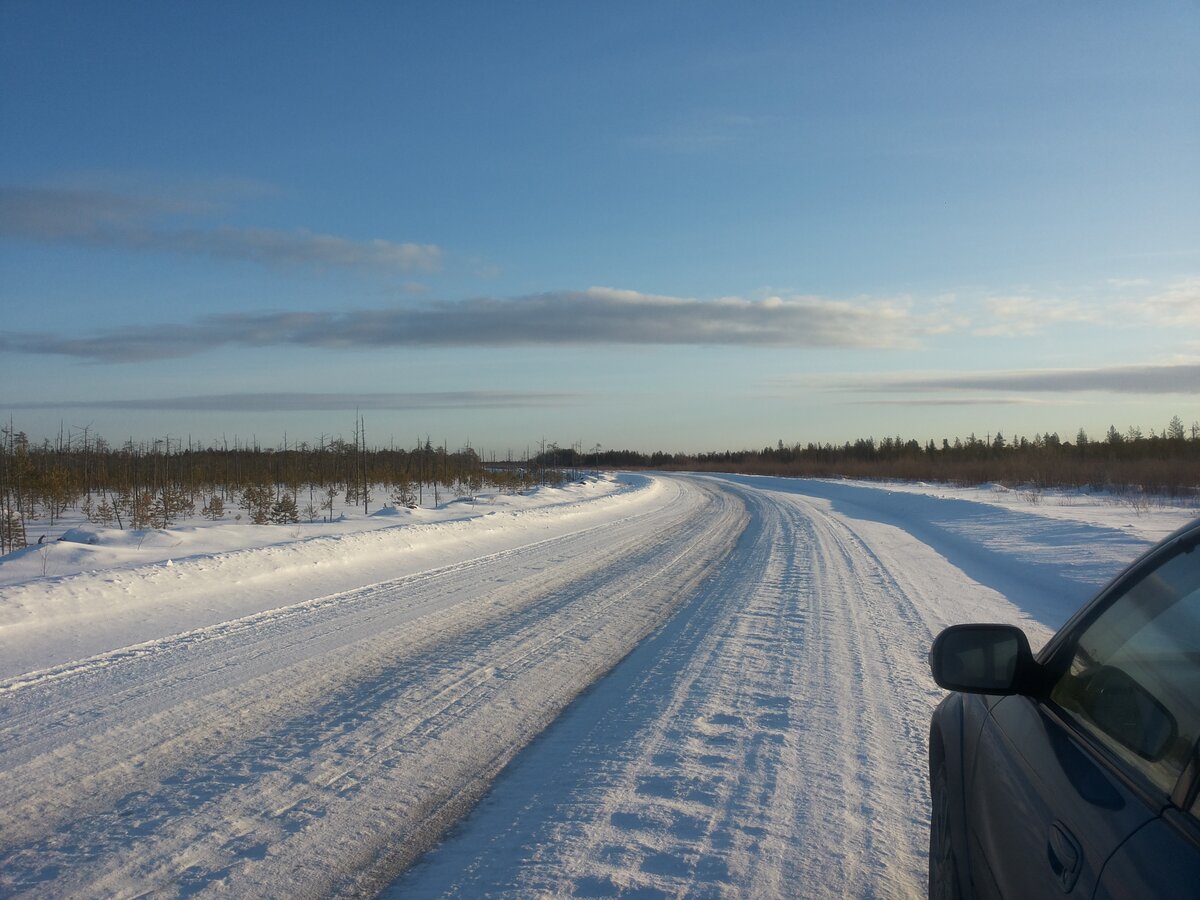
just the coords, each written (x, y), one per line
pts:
(88, 589)
(1047, 557)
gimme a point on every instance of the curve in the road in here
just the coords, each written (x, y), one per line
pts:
(769, 741)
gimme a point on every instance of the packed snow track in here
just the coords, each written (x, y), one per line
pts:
(716, 689)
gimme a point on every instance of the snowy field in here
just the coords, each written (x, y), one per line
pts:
(643, 686)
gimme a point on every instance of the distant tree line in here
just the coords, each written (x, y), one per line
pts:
(154, 484)
(1163, 462)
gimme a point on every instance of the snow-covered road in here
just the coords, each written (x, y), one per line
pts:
(765, 736)
(770, 742)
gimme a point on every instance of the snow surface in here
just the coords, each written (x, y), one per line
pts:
(642, 686)
(91, 589)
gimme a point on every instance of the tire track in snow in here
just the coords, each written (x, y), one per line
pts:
(329, 772)
(863, 743)
(769, 741)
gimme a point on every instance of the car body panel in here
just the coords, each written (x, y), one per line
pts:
(1039, 797)
(1161, 860)
(957, 724)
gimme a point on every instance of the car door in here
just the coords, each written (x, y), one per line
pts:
(1160, 860)
(1043, 814)
(1103, 754)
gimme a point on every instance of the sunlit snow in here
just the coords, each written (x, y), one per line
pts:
(649, 685)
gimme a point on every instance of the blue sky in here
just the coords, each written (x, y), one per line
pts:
(677, 226)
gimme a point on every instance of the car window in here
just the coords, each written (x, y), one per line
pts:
(1134, 678)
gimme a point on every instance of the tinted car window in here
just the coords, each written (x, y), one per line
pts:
(1134, 679)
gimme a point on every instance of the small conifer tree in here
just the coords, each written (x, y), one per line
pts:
(257, 500)
(214, 509)
(283, 510)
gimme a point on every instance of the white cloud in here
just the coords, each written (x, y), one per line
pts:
(1021, 316)
(299, 401)
(1127, 283)
(1178, 378)
(139, 223)
(950, 401)
(1121, 302)
(1177, 305)
(597, 316)
(300, 247)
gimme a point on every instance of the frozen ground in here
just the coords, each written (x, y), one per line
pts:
(650, 687)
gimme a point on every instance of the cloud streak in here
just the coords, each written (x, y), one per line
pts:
(122, 222)
(1182, 378)
(598, 316)
(312, 402)
(1176, 306)
(949, 401)
(1020, 316)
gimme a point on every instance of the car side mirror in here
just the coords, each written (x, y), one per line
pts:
(982, 659)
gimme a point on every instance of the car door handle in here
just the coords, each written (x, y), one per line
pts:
(1065, 856)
